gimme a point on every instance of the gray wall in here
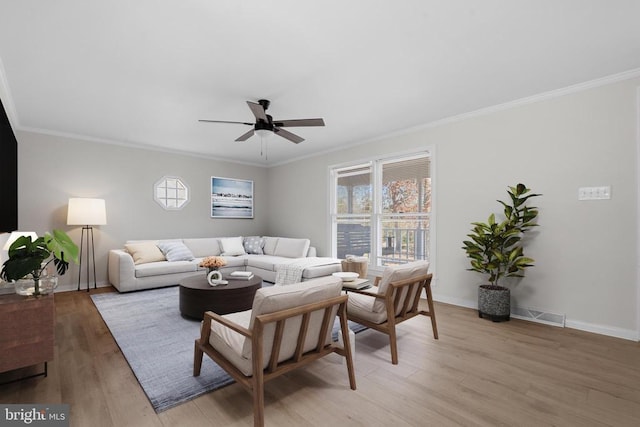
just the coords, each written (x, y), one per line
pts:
(53, 169)
(585, 250)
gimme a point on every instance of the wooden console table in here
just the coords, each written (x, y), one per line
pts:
(27, 331)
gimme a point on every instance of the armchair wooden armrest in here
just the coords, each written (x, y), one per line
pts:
(364, 292)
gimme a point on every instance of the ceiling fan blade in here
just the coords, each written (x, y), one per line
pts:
(225, 121)
(299, 122)
(245, 136)
(288, 135)
(258, 111)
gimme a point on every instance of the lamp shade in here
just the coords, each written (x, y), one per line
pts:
(84, 211)
(14, 236)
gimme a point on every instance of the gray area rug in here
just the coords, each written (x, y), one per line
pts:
(158, 345)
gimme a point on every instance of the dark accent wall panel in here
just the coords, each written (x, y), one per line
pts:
(8, 174)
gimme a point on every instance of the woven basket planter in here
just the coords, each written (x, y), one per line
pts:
(494, 302)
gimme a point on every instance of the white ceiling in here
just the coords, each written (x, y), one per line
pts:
(143, 72)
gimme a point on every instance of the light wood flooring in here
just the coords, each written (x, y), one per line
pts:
(478, 373)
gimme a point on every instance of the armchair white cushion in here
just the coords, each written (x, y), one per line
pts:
(395, 299)
(373, 308)
(237, 348)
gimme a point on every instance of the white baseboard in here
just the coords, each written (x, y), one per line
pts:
(6, 287)
(627, 334)
(83, 286)
(456, 301)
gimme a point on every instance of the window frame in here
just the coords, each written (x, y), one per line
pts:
(164, 200)
(377, 214)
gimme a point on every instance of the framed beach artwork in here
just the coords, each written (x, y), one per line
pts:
(231, 198)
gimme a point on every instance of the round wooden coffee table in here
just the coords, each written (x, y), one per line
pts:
(197, 296)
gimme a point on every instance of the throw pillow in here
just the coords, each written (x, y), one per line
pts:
(270, 244)
(292, 248)
(232, 246)
(175, 251)
(254, 245)
(144, 252)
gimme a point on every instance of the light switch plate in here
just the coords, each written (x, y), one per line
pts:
(594, 193)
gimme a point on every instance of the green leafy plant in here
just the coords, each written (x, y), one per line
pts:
(27, 257)
(495, 248)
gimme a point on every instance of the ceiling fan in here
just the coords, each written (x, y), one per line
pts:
(265, 125)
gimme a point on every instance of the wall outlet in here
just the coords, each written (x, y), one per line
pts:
(594, 193)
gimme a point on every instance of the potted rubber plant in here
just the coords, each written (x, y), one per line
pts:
(28, 260)
(495, 249)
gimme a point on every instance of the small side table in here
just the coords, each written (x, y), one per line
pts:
(356, 266)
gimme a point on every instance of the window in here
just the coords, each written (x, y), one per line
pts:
(171, 193)
(382, 210)
(352, 212)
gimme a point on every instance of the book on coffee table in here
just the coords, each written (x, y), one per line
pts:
(356, 284)
(241, 275)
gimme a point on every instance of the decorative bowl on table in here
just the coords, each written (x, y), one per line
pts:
(346, 276)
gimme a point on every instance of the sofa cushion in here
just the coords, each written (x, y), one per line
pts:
(235, 261)
(270, 243)
(266, 262)
(165, 267)
(292, 248)
(253, 245)
(321, 270)
(232, 246)
(175, 251)
(203, 247)
(144, 252)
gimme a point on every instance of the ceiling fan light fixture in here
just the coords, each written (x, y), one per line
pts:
(265, 126)
(264, 133)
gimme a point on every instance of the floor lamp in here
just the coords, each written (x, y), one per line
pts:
(87, 213)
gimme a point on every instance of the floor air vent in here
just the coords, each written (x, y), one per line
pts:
(538, 316)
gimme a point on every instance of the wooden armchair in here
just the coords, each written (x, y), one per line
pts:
(393, 299)
(287, 327)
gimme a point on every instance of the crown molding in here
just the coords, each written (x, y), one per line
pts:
(556, 93)
(135, 145)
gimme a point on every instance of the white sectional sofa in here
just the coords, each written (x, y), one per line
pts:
(145, 264)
